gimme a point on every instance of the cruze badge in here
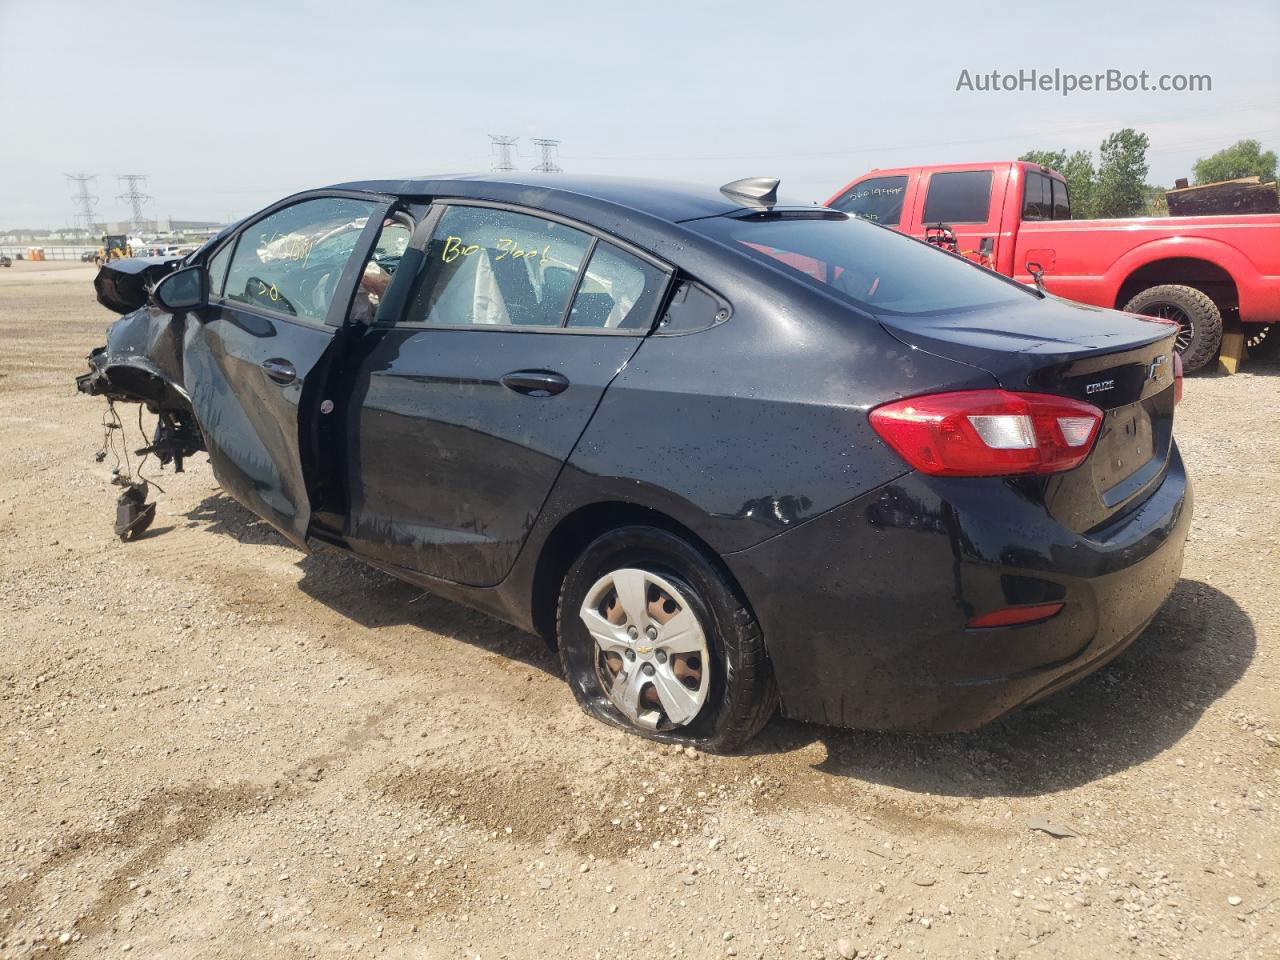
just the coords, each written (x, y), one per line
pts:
(1099, 386)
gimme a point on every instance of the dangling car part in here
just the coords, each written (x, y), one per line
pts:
(727, 454)
(133, 513)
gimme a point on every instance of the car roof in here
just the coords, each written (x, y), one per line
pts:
(663, 199)
(959, 168)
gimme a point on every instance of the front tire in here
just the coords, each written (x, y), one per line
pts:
(655, 639)
(1198, 317)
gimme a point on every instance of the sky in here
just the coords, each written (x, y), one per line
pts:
(228, 106)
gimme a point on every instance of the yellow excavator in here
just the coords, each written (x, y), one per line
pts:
(115, 246)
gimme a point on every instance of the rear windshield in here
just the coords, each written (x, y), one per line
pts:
(876, 268)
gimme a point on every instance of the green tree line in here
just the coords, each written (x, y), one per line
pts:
(1116, 185)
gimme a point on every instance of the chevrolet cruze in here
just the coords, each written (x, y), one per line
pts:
(729, 455)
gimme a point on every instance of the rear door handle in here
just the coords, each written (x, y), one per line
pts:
(535, 383)
(281, 371)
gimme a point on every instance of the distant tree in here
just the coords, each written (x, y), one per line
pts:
(1244, 158)
(1122, 174)
(1078, 170)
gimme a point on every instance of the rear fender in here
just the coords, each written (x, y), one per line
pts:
(1256, 301)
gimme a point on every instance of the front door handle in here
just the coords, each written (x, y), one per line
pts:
(281, 371)
(535, 383)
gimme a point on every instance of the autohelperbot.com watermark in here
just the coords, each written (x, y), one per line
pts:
(1065, 82)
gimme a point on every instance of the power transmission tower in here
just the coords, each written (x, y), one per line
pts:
(501, 147)
(84, 199)
(547, 148)
(133, 183)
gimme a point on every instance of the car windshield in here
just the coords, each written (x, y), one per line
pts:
(874, 267)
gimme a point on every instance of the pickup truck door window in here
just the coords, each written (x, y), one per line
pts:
(254, 363)
(465, 405)
(962, 200)
(1037, 198)
(878, 199)
(1061, 201)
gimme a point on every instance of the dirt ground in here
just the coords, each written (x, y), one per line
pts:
(215, 745)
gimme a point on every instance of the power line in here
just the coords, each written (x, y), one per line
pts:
(547, 149)
(84, 199)
(133, 183)
(501, 145)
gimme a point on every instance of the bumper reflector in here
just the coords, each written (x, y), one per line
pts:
(1008, 616)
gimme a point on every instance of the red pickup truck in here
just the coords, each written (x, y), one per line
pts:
(1015, 218)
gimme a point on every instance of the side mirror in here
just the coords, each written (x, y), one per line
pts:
(183, 289)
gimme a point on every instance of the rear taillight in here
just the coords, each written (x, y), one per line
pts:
(988, 433)
(1177, 378)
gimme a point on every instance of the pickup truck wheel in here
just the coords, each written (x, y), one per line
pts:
(1198, 318)
(653, 638)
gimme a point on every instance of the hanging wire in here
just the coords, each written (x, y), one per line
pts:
(146, 445)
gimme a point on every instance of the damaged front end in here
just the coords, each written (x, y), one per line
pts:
(141, 362)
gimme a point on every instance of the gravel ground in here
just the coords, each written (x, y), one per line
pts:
(215, 745)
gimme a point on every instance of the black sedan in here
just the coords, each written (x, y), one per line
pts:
(727, 454)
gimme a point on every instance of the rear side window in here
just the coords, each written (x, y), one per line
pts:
(497, 267)
(963, 197)
(1037, 199)
(880, 271)
(878, 199)
(618, 291)
(1061, 200)
(291, 261)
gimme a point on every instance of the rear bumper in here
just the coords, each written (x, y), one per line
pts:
(864, 608)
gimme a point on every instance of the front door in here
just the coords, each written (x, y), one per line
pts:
(253, 358)
(494, 346)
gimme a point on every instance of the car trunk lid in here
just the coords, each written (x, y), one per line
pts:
(1120, 363)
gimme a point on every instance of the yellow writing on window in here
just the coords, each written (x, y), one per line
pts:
(265, 290)
(455, 247)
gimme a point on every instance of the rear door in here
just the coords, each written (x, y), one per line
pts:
(255, 357)
(962, 200)
(498, 336)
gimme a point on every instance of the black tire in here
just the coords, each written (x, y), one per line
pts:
(741, 696)
(1195, 312)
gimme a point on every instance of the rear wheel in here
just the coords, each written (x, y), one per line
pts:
(655, 639)
(1198, 317)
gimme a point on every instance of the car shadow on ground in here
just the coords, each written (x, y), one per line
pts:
(371, 598)
(1131, 711)
(1136, 708)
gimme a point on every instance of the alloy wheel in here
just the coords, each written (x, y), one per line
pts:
(1169, 311)
(651, 655)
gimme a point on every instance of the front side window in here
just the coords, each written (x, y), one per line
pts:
(619, 291)
(878, 199)
(497, 267)
(291, 261)
(963, 197)
(881, 271)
